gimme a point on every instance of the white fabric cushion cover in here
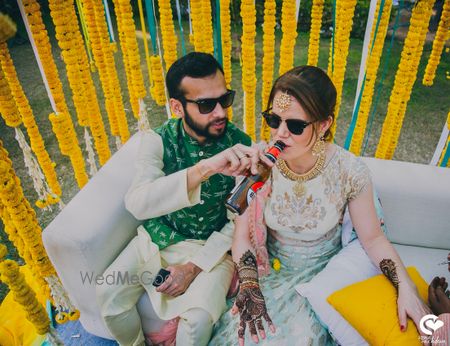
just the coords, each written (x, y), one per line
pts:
(350, 265)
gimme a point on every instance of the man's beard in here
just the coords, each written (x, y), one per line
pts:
(203, 131)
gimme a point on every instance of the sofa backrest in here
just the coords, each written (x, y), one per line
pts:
(416, 201)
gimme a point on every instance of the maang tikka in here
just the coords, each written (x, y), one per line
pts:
(283, 101)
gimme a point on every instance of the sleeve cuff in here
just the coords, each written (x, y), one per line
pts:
(215, 248)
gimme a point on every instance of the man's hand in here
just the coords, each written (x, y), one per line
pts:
(235, 161)
(179, 279)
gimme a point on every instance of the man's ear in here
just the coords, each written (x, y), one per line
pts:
(177, 107)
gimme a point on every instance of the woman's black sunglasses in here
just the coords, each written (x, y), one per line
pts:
(206, 106)
(295, 126)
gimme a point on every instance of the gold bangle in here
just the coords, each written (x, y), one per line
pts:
(203, 175)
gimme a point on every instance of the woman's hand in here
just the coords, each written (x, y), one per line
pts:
(251, 306)
(249, 301)
(410, 304)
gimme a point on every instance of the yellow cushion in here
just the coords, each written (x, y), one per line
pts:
(370, 306)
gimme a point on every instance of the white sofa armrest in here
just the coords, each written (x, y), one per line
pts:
(416, 201)
(90, 232)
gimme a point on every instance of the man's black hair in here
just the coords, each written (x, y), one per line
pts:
(194, 65)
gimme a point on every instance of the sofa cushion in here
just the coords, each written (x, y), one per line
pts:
(371, 307)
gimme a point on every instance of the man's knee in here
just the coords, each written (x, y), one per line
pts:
(194, 328)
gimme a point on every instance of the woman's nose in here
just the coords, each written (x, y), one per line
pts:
(283, 130)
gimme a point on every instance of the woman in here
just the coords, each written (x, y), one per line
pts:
(311, 184)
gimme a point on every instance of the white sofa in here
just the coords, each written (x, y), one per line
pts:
(94, 227)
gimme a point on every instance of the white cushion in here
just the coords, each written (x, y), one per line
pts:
(350, 265)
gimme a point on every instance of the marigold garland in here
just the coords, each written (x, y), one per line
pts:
(372, 64)
(207, 26)
(345, 10)
(130, 53)
(26, 115)
(441, 36)
(225, 29)
(24, 295)
(7, 27)
(18, 214)
(248, 14)
(270, 9)
(289, 28)
(104, 60)
(169, 39)
(78, 72)
(67, 140)
(8, 107)
(197, 25)
(157, 87)
(404, 79)
(161, 100)
(314, 33)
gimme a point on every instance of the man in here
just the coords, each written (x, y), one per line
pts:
(184, 174)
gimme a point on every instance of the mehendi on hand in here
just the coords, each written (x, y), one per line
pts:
(389, 270)
(250, 301)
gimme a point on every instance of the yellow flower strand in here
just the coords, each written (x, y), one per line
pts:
(225, 29)
(197, 25)
(24, 295)
(104, 60)
(26, 115)
(372, 64)
(207, 27)
(404, 79)
(7, 27)
(289, 28)
(248, 14)
(68, 144)
(345, 12)
(23, 217)
(270, 10)
(169, 39)
(12, 233)
(130, 53)
(157, 87)
(314, 33)
(8, 107)
(442, 34)
(78, 73)
(65, 35)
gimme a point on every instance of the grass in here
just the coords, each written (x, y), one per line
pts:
(425, 117)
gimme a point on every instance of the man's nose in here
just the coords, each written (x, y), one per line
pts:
(219, 111)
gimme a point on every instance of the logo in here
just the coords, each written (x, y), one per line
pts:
(251, 193)
(429, 324)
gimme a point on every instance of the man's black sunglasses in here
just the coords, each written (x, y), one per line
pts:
(295, 126)
(206, 106)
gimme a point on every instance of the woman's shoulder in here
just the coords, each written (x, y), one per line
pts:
(346, 160)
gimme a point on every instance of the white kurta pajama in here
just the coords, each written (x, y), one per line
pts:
(151, 195)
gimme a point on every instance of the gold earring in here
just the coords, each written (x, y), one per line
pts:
(319, 146)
